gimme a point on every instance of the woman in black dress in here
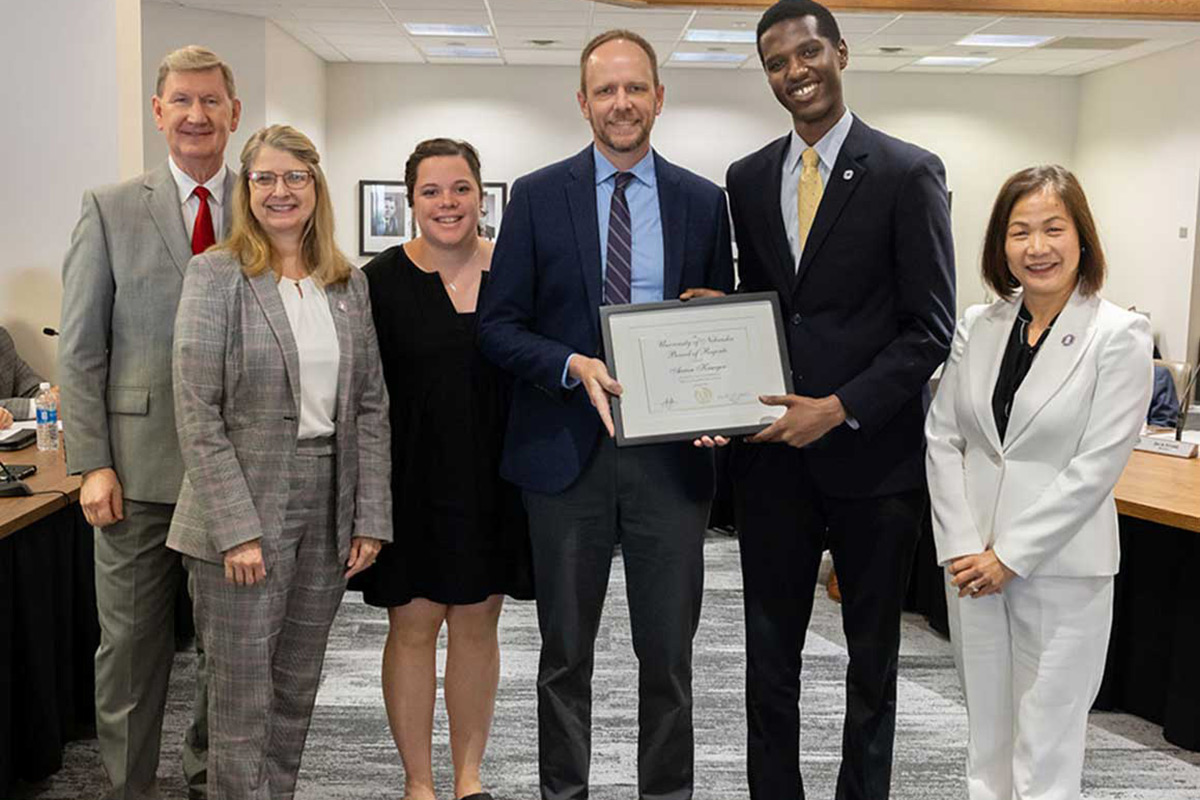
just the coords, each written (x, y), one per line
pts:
(461, 538)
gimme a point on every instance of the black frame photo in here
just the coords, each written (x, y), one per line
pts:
(384, 216)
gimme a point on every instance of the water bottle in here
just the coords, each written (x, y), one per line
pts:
(47, 418)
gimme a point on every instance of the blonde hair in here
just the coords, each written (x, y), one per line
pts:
(251, 245)
(613, 35)
(194, 58)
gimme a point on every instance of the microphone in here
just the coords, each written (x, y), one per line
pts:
(1183, 402)
(50, 331)
(13, 486)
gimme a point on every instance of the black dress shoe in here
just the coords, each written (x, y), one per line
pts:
(478, 796)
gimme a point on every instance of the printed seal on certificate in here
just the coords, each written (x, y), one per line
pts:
(695, 367)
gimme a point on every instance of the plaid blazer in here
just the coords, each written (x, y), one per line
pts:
(237, 401)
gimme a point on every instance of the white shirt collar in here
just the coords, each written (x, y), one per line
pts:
(827, 148)
(186, 184)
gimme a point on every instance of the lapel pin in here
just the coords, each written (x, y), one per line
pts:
(848, 174)
(1068, 340)
(341, 306)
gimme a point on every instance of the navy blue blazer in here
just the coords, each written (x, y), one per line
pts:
(870, 312)
(543, 298)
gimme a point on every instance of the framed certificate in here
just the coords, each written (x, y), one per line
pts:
(695, 367)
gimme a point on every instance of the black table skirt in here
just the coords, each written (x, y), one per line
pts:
(48, 639)
(1153, 667)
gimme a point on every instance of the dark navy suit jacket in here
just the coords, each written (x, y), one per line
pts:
(543, 298)
(870, 312)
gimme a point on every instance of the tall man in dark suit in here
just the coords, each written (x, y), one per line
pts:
(614, 224)
(852, 228)
(122, 278)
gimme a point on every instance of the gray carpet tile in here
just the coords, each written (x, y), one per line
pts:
(350, 753)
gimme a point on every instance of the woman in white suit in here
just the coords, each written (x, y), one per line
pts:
(1038, 409)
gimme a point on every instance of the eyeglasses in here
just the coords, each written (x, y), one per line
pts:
(292, 179)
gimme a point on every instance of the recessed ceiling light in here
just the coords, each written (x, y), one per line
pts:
(710, 58)
(1002, 40)
(952, 61)
(727, 37)
(462, 52)
(438, 29)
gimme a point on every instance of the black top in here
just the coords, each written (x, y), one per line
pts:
(460, 531)
(1018, 358)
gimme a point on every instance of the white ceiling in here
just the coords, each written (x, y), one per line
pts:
(373, 31)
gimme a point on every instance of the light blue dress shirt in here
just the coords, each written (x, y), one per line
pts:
(827, 152)
(646, 223)
(828, 148)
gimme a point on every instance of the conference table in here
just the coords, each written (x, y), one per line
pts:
(1153, 667)
(48, 627)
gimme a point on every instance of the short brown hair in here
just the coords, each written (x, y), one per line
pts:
(431, 148)
(194, 58)
(613, 35)
(251, 244)
(1092, 265)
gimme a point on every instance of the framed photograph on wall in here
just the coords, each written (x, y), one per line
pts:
(383, 216)
(495, 198)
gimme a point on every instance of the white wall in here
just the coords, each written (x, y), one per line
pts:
(1138, 158)
(295, 86)
(239, 40)
(61, 133)
(521, 118)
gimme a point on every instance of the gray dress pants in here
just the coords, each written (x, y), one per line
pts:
(137, 579)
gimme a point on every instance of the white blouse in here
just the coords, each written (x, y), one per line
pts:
(316, 341)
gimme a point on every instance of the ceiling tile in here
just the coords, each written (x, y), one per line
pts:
(1063, 55)
(909, 40)
(863, 23)
(1022, 66)
(321, 3)
(447, 17)
(939, 24)
(1145, 30)
(723, 21)
(337, 14)
(477, 6)
(330, 29)
(541, 55)
(939, 70)
(243, 9)
(877, 63)
(1035, 26)
(548, 20)
(565, 38)
(640, 21)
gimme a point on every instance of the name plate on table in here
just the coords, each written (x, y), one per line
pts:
(695, 367)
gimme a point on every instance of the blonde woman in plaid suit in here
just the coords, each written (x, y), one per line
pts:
(282, 418)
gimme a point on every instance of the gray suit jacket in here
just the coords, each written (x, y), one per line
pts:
(121, 282)
(18, 382)
(237, 403)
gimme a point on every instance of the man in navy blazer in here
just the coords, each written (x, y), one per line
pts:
(613, 224)
(852, 228)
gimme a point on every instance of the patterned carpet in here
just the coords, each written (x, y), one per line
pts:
(350, 752)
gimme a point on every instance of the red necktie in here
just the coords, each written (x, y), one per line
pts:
(203, 236)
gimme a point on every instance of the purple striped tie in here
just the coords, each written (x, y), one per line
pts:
(618, 276)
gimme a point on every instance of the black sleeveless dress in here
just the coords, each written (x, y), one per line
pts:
(460, 530)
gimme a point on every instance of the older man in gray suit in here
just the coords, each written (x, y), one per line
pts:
(18, 383)
(121, 285)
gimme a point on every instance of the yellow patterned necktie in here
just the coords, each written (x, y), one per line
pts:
(808, 194)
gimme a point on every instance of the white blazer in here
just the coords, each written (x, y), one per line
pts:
(1043, 500)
